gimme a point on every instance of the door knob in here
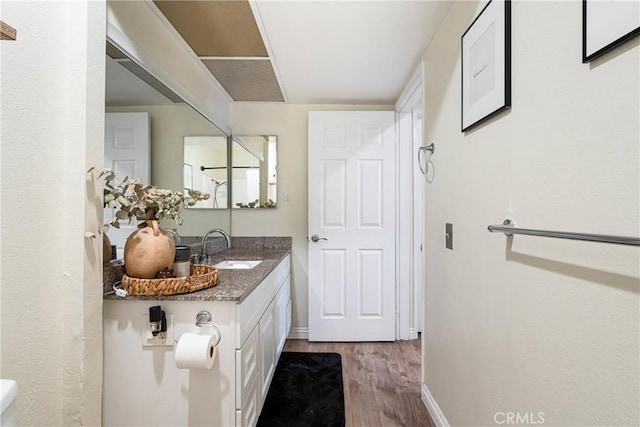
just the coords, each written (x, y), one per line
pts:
(315, 238)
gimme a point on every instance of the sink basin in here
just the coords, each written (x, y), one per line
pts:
(237, 264)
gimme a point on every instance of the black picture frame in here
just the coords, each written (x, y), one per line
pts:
(486, 65)
(612, 24)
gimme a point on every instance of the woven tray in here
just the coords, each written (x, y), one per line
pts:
(202, 277)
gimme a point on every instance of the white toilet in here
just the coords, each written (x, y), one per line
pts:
(8, 392)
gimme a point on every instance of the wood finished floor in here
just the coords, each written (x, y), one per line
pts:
(381, 381)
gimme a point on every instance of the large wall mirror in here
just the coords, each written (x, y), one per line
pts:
(170, 125)
(254, 171)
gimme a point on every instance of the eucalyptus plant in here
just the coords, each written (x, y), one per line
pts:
(256, 204)
(144, 202)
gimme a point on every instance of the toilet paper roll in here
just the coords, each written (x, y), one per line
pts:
(195, 351)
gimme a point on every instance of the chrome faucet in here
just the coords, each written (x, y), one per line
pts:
(175, 235)
(203, 251)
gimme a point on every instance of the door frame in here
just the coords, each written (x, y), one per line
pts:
(408, 295)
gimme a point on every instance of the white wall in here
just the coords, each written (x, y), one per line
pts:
(289, 123)
(169, 125)
(52, 96)
(531, 324)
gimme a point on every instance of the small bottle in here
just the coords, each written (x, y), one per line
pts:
(182, 262)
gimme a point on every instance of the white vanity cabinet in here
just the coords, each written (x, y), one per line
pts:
(262, 326)
(143, 386)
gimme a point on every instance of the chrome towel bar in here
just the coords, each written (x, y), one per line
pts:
(508, 228)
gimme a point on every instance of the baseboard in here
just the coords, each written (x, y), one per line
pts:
(413, 334)
(432, 407)
(299, 333)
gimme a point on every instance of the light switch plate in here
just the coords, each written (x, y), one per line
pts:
(448, 235)
(163, 339)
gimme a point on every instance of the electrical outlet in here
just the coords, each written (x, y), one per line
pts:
(163, 339)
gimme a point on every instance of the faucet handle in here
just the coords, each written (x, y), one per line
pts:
(175, 235)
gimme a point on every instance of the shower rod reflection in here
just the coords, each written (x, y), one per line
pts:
(509, 229)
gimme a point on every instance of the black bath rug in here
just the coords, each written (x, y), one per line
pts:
(306, 391)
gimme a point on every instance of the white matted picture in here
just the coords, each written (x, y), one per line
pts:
(486, 64)
(607, 24)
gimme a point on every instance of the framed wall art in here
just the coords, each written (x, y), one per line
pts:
(607, 24)
(486, 64)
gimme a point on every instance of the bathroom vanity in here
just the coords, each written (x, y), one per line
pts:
(252, 310)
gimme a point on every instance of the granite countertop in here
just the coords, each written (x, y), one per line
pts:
(233, 285)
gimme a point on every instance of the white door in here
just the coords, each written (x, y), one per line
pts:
(351, 211)
(127, 153)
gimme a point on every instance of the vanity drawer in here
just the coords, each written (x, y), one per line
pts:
(247, 366)
(247, 416)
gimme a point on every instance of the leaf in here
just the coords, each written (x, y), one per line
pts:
(133, 199)
(91, 169)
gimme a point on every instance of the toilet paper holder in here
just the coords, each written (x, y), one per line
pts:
(203, 318)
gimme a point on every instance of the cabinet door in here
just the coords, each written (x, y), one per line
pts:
(284, 295)
(247, 416)
(267, 349)
(247, 360)
(289, 314)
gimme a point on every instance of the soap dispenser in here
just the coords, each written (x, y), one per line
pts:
(182, 262)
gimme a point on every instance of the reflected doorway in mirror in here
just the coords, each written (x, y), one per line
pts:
(254, 171)
(207, 158)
